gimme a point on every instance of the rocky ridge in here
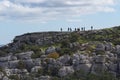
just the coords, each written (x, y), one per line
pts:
(55, 62)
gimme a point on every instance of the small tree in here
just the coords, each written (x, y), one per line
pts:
(74, 37)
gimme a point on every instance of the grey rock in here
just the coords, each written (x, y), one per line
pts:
(13, 64)
(15, 71)
(78, 58)
(65, 70)
(1, 75)
(44, 78)
(117, 49)
(75, 44)
(24, 72)
(98, 68)
(83, 67)
(108, 46)
(64, 59)
(58, 49)
(5, 78)
(29, 63)
(50, 50)
(4, 59)
(112, 67)
(4, 64)
(7, 71)
(37, 62)
(13, 58)
(100, 47)
(25, 55)
(36, 69)
(99, 59)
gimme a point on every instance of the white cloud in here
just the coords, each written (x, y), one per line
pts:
(45, 10)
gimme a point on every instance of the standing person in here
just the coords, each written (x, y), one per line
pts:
(78, 29)
(61, 29)
(84, 28)
(68, 29)
(75, 29)
(91, 27)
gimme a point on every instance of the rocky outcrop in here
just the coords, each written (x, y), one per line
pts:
(90, 57)
(24, 55)
(65, 70)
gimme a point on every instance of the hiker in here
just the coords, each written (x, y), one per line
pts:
(91, 27)
(68, 29)
(61, 29)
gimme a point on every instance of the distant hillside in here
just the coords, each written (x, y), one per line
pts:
(77, 55)
(51, 38)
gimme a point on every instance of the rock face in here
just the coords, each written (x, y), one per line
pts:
(50, 50)
(64, 59)
(24, 55)
(41, 39)
(100, 47)
(65, 70)
(89, 58)
(44, 78)
(65, 64)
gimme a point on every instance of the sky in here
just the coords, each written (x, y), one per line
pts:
(25, 16)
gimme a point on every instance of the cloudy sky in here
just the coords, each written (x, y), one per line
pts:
(22, 16)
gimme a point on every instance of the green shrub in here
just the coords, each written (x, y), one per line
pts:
(36, 55)
(65, 43)
(74, 37)
(21, 65)
(66, 51)
(14, 77)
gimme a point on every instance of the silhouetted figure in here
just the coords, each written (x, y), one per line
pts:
(61, 29)
(78, 29)
(75, 29)
(91, 27)
(68, 29)
(82, 28)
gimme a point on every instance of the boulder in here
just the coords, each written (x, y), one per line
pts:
(1, 75)
(24, 72)
(50, 50)
(44, 78)
(99, 59)
(76, 44)
(4, 64)
(100, 47)
(112, 67)
(13, 64)
(98, 68)
(65, 59)
(29, 64)
(7, 71)
(25, 55)
(65, 70)
(79, 59)
(108, 46)
(36, 69)
(4, 59)
(83, 67)
(117, 49)
(13, 58)
(5, 78)
(37, 62)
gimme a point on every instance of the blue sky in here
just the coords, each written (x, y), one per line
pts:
(22, 16)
